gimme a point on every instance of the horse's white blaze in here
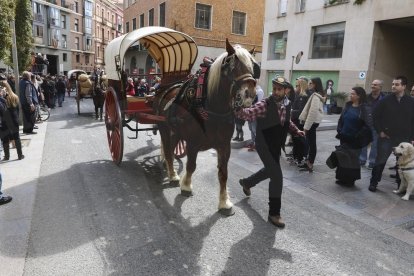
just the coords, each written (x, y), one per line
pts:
(185, 183)
(225, 202)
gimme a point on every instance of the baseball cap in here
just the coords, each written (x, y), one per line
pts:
(280, 80)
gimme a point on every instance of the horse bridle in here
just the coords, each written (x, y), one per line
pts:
(236, 82)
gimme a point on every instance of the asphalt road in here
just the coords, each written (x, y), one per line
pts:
(92, 217)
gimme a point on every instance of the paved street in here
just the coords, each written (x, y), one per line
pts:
(74, 212)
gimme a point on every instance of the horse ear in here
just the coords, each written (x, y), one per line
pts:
(252, 51)
(230, 50)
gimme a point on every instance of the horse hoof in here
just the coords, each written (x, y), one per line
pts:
(186, 193)
(227, 212)
(175, 183)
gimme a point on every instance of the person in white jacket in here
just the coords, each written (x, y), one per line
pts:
(311, 116)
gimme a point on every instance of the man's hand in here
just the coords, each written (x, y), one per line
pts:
(32, 107)
(301, 133)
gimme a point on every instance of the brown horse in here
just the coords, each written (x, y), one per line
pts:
(229, 85)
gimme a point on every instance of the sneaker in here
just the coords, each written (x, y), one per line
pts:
(5, 199)
(35, 127)
(370, 167)
(372, 188)
(21, 157)
(246, 190)
(276, 221)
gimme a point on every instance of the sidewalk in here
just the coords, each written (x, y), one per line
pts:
(20, 178)
(382, 210)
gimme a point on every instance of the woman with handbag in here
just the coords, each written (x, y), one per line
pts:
(354, 132)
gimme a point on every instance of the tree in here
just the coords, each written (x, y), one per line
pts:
(24, 38)
(7, 14)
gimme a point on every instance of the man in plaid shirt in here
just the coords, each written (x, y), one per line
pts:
(273, 124)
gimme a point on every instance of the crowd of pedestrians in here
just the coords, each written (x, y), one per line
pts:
(373, 123)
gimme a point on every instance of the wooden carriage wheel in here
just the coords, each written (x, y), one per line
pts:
(114, 128)
(180, 150)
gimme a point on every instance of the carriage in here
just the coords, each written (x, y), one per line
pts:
(175, 54)
(80, 83)
(193, 112)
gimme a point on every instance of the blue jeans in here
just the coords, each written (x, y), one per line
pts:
(373, 152)
(252, 127)
(61, 98)
(384, 148)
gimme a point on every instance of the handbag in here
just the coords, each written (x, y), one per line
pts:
(332, 161)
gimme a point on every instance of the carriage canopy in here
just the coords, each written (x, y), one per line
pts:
(174, 52)
(75, 71)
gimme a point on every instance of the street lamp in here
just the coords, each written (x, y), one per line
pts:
(296, 60)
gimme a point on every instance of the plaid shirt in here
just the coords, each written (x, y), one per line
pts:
(259, 110)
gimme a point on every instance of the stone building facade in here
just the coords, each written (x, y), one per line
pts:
(64, 33)
(343, 42)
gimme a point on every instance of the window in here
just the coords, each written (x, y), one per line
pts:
(113, 19)
(76, 28)
(151, 17)
(239, 23)
(88, 25)
(37, 12)
(54, 37)
(203, 16)
(37, 31)
(134, 23)
(88, 8)
(63, 21)
(97, 31)
(77, 43)
(141, 20)
(65, 57)
(127, 27)
(277, 45)
(300, 5)
(77, 58)
(162, 14)
(107, 16)
(99, 50)
(328, 41)
(119, 24)
(54, 17)
(64, 41)
(282, 7)
(86, 59)
(76, 7)
(88, 43)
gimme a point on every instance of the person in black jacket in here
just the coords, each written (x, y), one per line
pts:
(394, 123)
(273, 123)
(299, 143)
(354, 124)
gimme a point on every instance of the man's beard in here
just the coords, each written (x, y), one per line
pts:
(279, 98)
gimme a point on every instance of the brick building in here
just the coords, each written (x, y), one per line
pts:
(108, 20)
(209, 22)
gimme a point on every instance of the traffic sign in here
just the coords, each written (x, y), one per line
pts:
(362, 75)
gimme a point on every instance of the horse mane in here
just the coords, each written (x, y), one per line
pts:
(215, 70)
